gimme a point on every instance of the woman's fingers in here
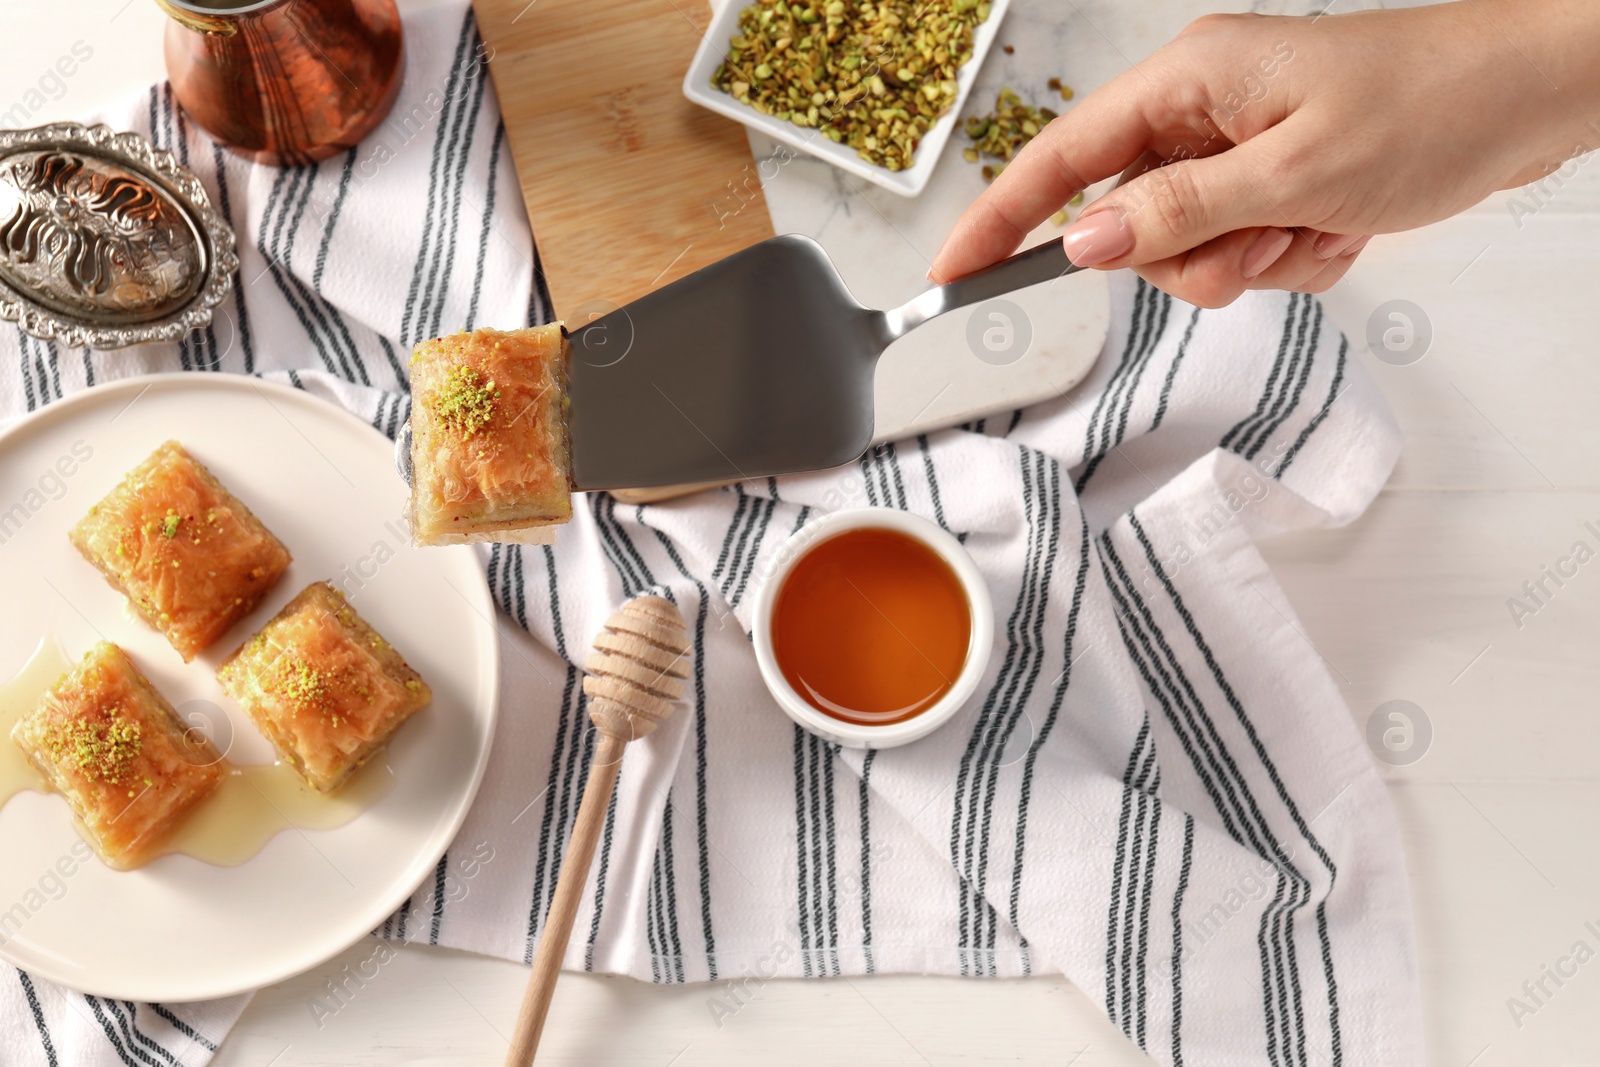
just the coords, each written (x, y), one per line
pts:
(1216, 273)
(1331, 245)
(1330, 274)
(1209, 276)
(1178, 207)
(1096, 139)
(1264, 251)
(1303, 259)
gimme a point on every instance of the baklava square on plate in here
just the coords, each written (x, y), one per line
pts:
(323, 686)
(489, 449)
(105, 739)
(188, 555)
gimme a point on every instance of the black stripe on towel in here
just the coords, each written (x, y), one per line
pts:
(1334, 390)
(1294, 382)
(242, 314)
(1177, 940)
(133, 1036)
(866, 857)
(1043, 734)
(184, 1028)
(702, 838)
(1172, 371)
(559, 778)
(1119, 875)
(1120, 394)
(38, 1018)
(964, 810)
(485, 227)
(1270, 389)
(802, 869)
(114, 1040)
(437, 167)
(1020, 692)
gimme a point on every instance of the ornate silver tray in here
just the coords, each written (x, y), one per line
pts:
(105, 240)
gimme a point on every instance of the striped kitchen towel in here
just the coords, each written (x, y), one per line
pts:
(1157, 791)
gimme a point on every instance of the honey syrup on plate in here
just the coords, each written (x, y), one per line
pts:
(250, 806)
(871, 626)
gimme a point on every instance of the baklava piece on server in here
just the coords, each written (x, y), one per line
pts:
(489, 450)
(105, 739)
(323, 686)
(189, 556)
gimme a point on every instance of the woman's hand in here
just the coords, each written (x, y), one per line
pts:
(1259, 152)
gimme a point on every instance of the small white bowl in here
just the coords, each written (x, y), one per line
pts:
(713, 49)
(855, 735)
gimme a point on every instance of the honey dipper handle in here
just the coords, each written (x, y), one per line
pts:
(564, 905)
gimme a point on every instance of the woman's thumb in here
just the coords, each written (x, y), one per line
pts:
(1171, 209)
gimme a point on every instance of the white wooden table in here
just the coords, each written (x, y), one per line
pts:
(1501, 817)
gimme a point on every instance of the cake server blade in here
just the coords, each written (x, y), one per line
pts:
(759, 364)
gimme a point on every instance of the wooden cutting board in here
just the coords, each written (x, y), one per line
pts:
(628, 185)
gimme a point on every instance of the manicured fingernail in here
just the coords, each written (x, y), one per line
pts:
(1358, 246)
(1265, 251)
(1098, 238)
(1330, 245)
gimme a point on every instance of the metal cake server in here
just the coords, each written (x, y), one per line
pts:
(759, 364)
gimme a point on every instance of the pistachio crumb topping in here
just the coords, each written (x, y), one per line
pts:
(302, 683)
(466, 401)
(102, 751)
(169, 525)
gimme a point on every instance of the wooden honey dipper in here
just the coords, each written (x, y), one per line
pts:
(635, 678)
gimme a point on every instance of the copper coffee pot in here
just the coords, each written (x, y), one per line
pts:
(284, 81)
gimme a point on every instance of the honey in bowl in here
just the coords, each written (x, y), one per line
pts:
(871, 626)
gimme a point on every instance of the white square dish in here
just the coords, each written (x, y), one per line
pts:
(713, 49)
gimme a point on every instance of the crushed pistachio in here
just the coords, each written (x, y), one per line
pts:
(1002, 133)
(102, 751)
(1064, 90)
(466, 402)
(301, 683)
(169, 525)
(874, 75)
(414, 685)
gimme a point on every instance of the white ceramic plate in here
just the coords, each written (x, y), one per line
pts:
(713, 49)
(324, 482)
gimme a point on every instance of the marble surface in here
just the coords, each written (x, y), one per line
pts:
(1500, 816)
